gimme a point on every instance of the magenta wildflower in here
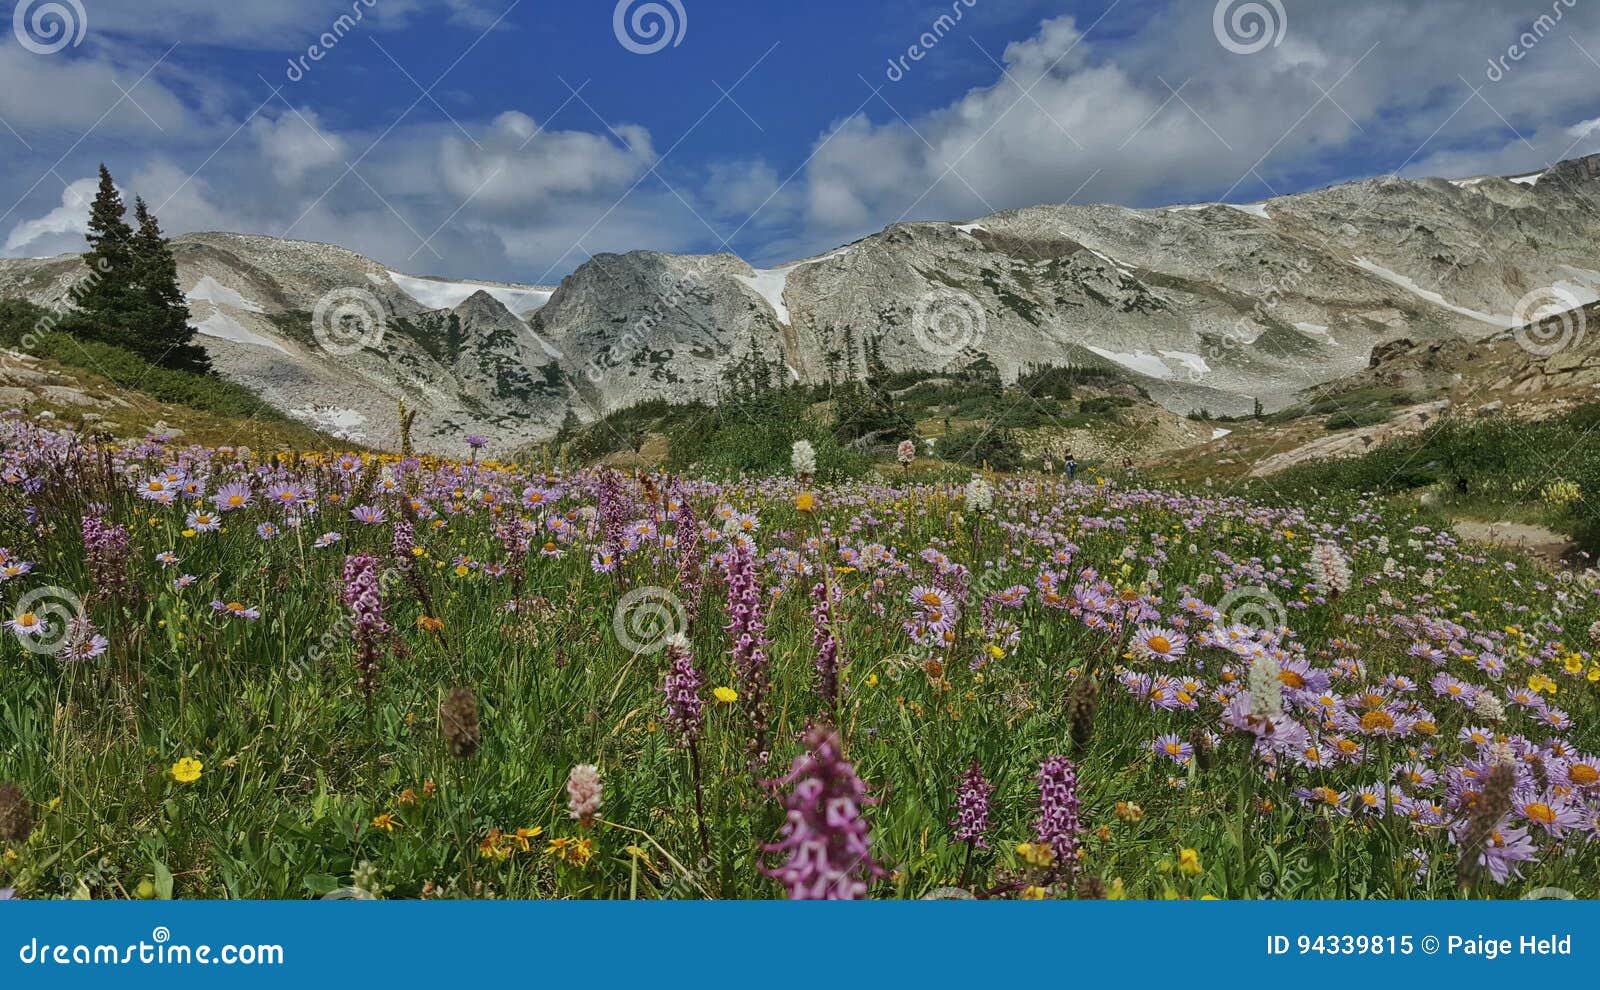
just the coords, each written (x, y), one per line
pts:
(971, 823)
(825, 644)
(748, 656)
(685, 707)
(826, 836)
(1058, 824)
(362, 596)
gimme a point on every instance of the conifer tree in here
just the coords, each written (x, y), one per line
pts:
(163, 323)
(107, 298)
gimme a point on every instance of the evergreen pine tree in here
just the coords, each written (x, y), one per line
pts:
(162, 331)
(107, 299)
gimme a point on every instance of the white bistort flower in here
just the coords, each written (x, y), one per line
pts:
(804, 458)
(1266, 688)
(980, 495)
(1330, 571)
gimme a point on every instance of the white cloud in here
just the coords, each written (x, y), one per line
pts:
(58, 231)
(516, 166)
(296, 144)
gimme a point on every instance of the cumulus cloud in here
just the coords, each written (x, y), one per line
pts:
(516, 165)
(58, 231)
(1168, 114)
(296, 143)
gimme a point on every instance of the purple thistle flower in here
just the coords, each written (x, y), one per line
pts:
(1058, 824)
(972, 808)
(826, 837)
(682, 688)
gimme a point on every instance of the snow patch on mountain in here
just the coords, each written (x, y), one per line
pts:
(432, 293)
(224, 327)
(210, 290)
(1406, 283)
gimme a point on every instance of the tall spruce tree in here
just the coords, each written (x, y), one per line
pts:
(163, 324)
(107, 299)
(131, 297)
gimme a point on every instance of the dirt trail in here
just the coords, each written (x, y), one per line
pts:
(1543, 543)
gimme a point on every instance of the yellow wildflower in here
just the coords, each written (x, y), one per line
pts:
(187, 770)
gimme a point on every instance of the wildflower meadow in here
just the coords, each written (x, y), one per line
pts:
(230, 673)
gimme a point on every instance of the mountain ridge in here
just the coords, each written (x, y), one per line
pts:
(1213, 306)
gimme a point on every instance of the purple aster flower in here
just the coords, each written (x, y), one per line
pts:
(236, 609)
(371, 515)
(826, 836)
(233, 495)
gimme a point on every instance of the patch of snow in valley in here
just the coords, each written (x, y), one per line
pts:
(1583, 286)
(210, 290)
(1219, 433)
(1528, 180)
(431, 293)
(1254, 209)
(343, 423)
(1152, 365)
(967, 228)
(1316, 330)
(770, 283)
(1195, 364)
(225, 327)
(1395, 278)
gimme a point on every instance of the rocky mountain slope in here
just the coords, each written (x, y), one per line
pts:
(1208, 306)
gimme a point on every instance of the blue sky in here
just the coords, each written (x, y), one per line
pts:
(773, 130)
